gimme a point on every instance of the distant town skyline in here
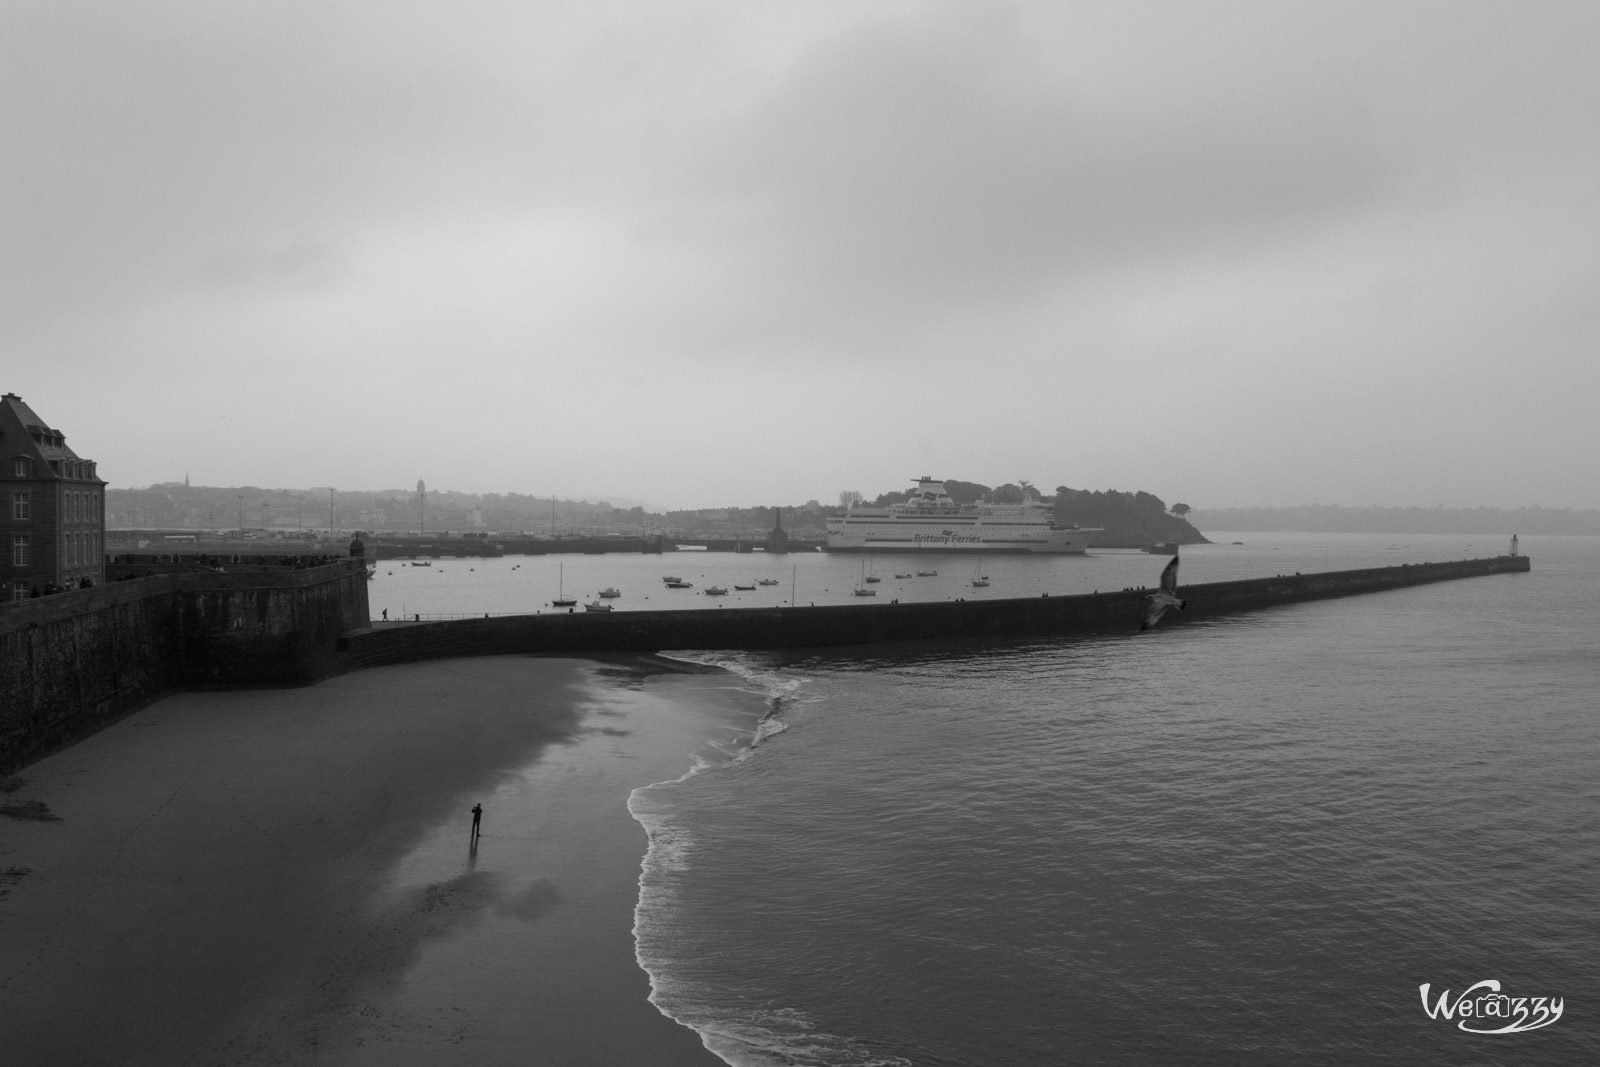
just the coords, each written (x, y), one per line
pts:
(1232, 253)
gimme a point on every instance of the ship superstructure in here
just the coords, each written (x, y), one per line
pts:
(933, 522)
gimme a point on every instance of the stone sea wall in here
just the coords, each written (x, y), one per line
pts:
(74, 662)
(70, 664)
(853, 624)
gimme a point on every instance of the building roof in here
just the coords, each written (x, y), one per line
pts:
(24, 433)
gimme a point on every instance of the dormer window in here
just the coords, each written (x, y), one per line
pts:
(22, 467)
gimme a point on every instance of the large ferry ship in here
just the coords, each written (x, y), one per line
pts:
(932, 522)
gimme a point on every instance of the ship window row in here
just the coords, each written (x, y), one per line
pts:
(931, 520)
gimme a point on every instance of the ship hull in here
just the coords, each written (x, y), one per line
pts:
(975, 538)
(930, 521)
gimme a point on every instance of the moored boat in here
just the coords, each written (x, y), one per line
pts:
(562, 600)
(861, 587)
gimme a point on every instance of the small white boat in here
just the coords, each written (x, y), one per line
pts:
(861, 588)
(743, 588)
(716, 590)
(610, 593)
(926, 574)
(767, 581)
(902, 574)
(562, 600)
(669, 579)
(679, 583)
(595, 605)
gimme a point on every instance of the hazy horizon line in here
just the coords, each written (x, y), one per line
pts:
(625, 502)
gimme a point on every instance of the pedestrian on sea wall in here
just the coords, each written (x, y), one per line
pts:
(477, 819)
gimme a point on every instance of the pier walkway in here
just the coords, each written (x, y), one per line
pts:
(851, 624)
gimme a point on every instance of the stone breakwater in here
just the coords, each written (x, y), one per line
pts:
(852, 624)
(73, 663)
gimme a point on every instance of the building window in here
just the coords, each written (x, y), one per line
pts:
(19, 590)
(19, 550)
(21, 467)
(21, 507)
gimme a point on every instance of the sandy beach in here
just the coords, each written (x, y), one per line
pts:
(287, 876)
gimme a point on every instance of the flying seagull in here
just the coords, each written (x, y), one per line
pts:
(1163, 598)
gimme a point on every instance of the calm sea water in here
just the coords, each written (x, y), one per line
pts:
(448, 588)
(1244, 841)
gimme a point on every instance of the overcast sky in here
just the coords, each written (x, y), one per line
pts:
(706, 253)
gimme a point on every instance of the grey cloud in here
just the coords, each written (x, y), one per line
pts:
(896, 170)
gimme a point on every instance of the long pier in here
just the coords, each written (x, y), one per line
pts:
(75, 662)
(852, 624)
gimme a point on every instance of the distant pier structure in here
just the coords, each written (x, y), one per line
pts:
(777, 538)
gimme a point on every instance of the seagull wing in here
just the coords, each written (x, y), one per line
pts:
(1163, 598)
(1169, 578)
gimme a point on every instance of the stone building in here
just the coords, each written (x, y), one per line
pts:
(52, 509)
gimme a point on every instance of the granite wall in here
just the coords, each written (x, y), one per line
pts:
(73, 662)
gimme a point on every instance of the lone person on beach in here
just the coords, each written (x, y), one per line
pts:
(477, 818)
